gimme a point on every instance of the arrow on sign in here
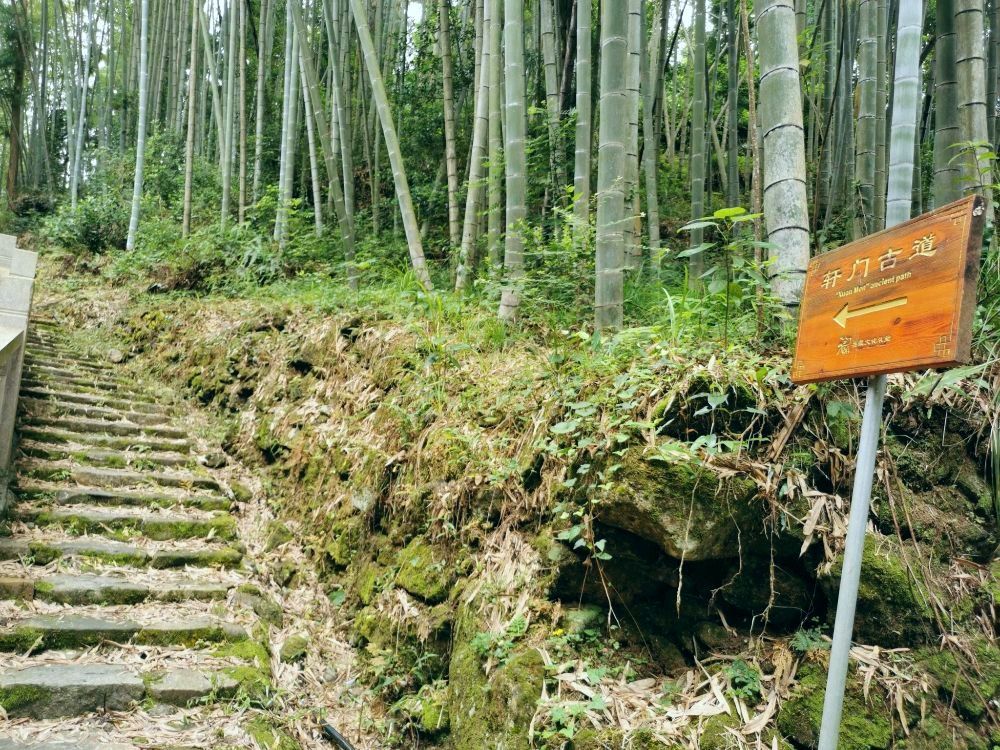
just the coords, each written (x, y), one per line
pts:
(846, 313)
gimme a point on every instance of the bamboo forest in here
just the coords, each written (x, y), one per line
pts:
(499, 374)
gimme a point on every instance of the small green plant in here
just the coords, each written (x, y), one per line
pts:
(744, 681)
(499, 645)
(805, 640)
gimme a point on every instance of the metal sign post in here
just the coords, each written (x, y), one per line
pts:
(850, 577)
(901, 299)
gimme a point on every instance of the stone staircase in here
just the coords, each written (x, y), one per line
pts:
(126, 620)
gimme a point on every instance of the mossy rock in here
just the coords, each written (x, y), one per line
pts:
(616, 739)
(865, 725)
(714, 734)
(277, 534)
(344, 542)
(892, 609)
(269, 737)
(690, 512)
(424, 572)
(968, 687)
(369, 581)
(294, 649)
(492, 710)
(427, 710)
(934, 733)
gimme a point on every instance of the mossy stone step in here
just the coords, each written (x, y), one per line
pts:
(56, 362)
(95, 399)
(70, 631)
(102, 457)
(121, 553)
(87, 387)
(49, 407)
(64, 371)
(107, 427)
(50, 691)
(158, 526)
(114, 477)
(87, 588)
(123, 442)
(57, 495)
(76, 743)
(55, 690)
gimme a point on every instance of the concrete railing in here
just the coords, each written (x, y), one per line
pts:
(17, 280)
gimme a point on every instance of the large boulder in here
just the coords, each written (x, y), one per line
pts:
(690, 512)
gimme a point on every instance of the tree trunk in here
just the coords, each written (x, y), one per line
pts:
(611, 168)
(494, 226)
(584, 124)
(785, 209)
(451, 157)
(971, 70)
(864, 160)
(474, 186)
(946, 129)
(515, 158)
(905, 110)
(189, 148)
(140, 148)
(409, 216)
(697, 267)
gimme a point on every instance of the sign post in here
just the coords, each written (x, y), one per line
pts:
(899, 300)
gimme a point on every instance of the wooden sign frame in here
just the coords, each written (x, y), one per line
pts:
(902, 299)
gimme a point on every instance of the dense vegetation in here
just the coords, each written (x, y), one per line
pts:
(498, 298)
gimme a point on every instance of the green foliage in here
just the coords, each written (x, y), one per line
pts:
(98, 224)
(805, 640)
(744, 681)
(498, 646)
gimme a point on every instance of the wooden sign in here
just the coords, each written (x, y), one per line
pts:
(899, 300)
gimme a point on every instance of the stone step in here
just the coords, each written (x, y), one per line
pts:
(92, 588)
(44, 434)
(174, 554)
(60, 371)
(93, 399)
(101, 457)
(51, 407)
(53, 690)
(153, 524)
(79, 426)
(76, 377)
(82, 385)
(59, 495)
(76, 742)
(62, 471)
(36, 358)
(70, 630)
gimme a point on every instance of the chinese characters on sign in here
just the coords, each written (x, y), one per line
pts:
(922, 248)
(898, 300)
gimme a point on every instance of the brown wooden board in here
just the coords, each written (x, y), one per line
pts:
(901, 299)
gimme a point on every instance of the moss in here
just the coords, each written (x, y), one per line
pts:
(252, 684)
(217, 557)
(250, 651)
(277, 534)
(686, 510)
(17, 697)
(262, 605)
(865, 725)
(968, 686)
(423, 573)
(187, 638)
(892, 609)
(427, 710)
(492, 710)
(369, 581)
(43, 553)
(269, 737)
(346, 537)
(934, 734)
(294, 649)
(714, 734)
(20, 639)
(241, 492)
